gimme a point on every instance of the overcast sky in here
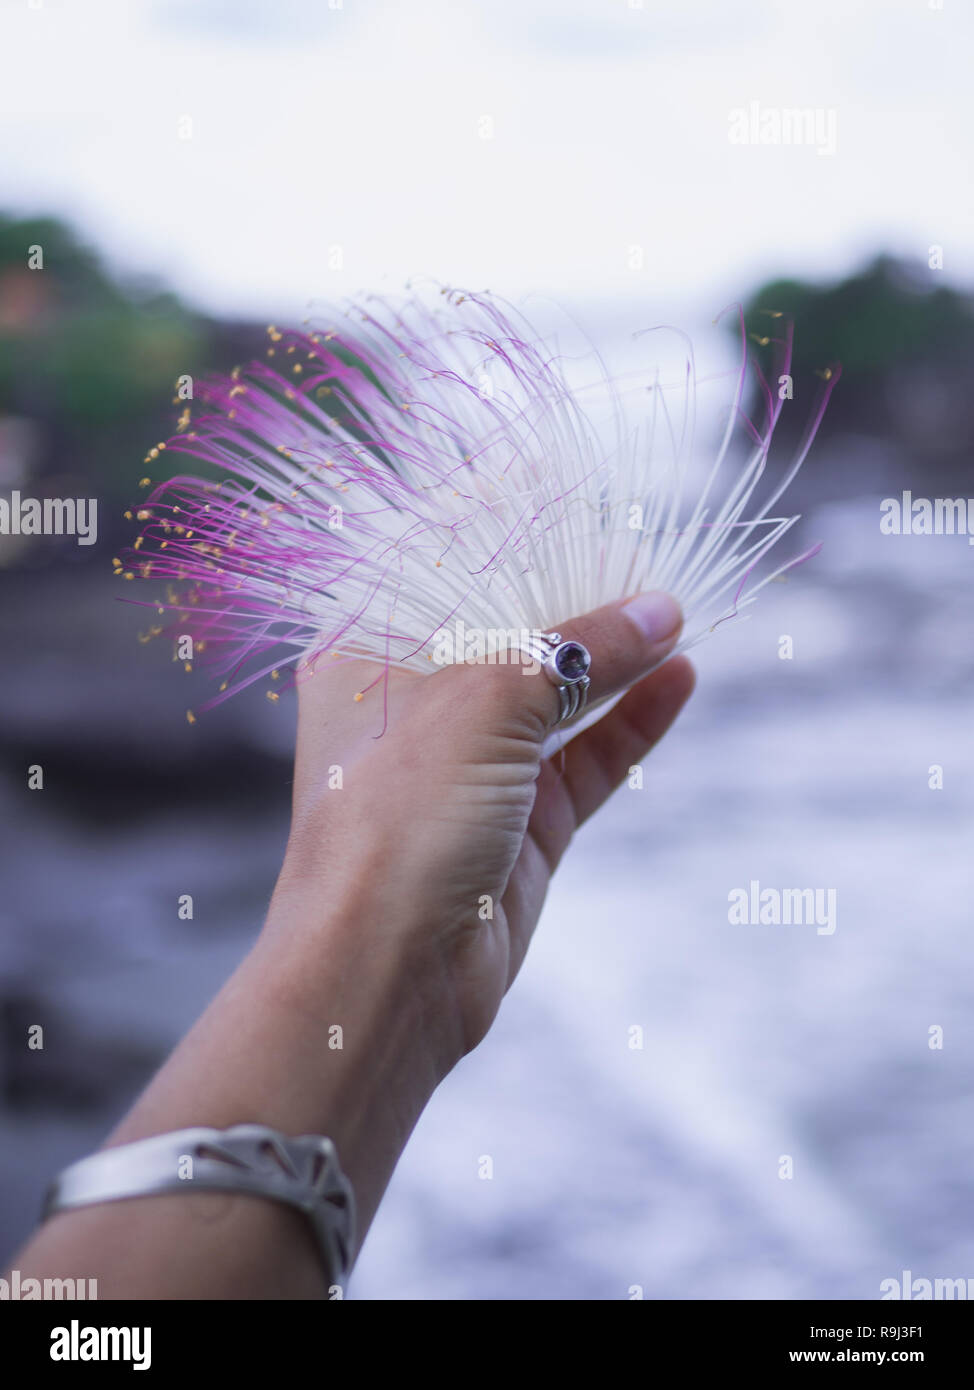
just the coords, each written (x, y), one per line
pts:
(578, 147)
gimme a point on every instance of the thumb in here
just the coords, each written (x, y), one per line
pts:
(625, 641)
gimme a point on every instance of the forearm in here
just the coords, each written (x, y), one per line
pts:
(327, 1027)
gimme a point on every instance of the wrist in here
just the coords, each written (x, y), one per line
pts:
(354, 939)
(358, 984)
(325, 1028)
(371, 1012)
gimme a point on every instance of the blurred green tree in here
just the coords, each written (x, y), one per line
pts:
(905, 343)
(90, 361)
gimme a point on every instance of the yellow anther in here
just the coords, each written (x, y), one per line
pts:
(190, 717)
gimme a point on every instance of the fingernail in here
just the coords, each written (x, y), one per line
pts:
(657, 615)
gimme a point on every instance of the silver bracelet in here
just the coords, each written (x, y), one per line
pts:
(302, 1172)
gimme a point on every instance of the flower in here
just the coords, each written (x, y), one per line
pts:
(429, 463)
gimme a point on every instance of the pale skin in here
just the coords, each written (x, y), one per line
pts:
(376, 924)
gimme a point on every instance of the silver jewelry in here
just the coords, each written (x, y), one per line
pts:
(303, 1172)
(566, 664)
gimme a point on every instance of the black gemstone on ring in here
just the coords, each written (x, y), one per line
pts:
(572, 661)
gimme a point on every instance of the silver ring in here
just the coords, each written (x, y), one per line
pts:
(566, 664)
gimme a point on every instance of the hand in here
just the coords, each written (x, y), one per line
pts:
(448, 824)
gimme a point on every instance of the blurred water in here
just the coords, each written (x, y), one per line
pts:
(616, 1167)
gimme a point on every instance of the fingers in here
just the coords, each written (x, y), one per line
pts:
(626, 640)
(600, 758)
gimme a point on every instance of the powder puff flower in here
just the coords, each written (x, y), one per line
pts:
(418, 464)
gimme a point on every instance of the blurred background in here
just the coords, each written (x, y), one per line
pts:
(195, 170)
